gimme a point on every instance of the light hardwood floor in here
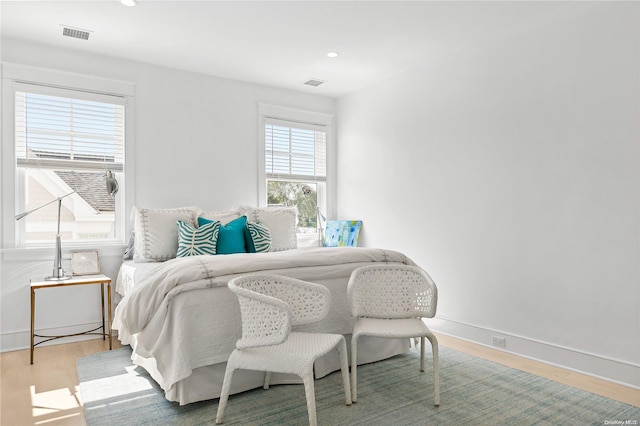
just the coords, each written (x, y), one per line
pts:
(46, 392)
(581, 381)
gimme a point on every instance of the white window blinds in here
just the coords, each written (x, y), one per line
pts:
(85, 131)
(295, 152)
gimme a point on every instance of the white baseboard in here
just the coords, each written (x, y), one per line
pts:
(613, 370)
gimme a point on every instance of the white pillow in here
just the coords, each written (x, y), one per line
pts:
(223, 217)
(282, 224)
(156, 232)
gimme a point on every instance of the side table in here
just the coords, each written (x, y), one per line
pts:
(79, 280)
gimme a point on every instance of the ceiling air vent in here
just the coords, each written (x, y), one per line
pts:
(314, 82)
(75, 33)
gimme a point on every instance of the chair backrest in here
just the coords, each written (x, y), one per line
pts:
(392, 291)
(271, 304)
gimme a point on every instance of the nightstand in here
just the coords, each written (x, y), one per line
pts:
(79, 280)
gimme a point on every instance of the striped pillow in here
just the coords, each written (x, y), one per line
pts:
(258, 237)
(194, 241)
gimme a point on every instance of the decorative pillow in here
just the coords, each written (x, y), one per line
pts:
(257, 237)
(156, 233)
(193, 241)
(223, 217)
(281, 222)
(231, 238)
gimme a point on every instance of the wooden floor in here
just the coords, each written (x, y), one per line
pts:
(567, 377)
(46, 392)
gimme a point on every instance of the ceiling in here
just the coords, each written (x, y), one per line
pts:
(277, 43)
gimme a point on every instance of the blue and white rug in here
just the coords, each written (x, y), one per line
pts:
(391, 392)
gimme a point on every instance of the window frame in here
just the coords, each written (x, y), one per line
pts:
(13, 77)
(301, 119)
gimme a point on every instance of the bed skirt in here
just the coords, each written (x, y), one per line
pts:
(206, 382)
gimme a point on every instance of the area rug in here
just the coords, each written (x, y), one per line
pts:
(390, 392)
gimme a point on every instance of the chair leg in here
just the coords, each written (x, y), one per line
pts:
(354, 368)
(422, 341)
(267, 380)
(344, 367)
(436, 369)
(224, 394)
(309, 390)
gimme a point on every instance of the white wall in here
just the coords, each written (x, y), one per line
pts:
(510, 171)
(196, 143)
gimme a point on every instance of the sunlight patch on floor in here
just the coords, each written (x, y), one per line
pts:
(54, 405)
(117, 388)
(52, 401)
(123, 400)
(58, 419)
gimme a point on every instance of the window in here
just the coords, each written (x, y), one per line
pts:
(65, 142)
(295, 169)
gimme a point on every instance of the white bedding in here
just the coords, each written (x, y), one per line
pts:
(181, 318)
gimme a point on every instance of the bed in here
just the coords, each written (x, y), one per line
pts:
(182, 321)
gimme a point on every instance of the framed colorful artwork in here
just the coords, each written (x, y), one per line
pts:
(342, 233)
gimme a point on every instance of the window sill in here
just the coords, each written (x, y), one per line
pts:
(32, 254)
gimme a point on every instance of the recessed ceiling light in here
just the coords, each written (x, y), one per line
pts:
(332, 54)
(129, 2)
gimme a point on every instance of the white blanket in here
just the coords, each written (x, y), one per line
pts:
(182, 314)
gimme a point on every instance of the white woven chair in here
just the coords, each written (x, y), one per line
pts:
(270, 305)
(390, 300)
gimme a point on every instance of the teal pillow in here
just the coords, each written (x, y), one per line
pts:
(231, 238)
(194, 241)
(257, 237)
